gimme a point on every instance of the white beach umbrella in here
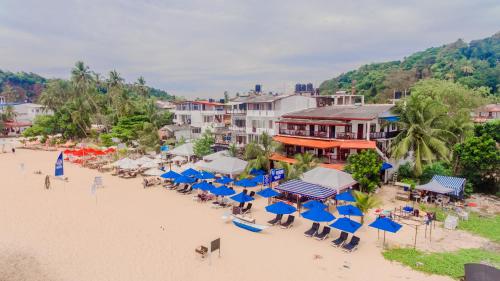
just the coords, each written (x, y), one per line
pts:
(178, 159)
(129, 166)
(149, 165)
(154, 172)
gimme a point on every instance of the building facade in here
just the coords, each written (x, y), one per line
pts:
(205, 115)
(486, 113)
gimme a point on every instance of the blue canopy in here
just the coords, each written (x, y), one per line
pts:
(346, 224)
(391, 118)
(224, 180)
(204, 175)
(242, 198)
(190, 172)
(259, 179)
(385, 166)
(349, 210)
(170, 175)
(205, 186)
(386, 224)
(245, 183)
(313, 204)
(184, 179)
(257, 172)
(408, 209)
(281, 208)
(222, 191)
(345, 196)
(268, 192)
(306, 189)
(318, 215)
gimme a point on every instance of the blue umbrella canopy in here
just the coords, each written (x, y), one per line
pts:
(346, 224)
(170, 175)
(190, 172)
(318, 215)
(204, 175)
(224, 180)
(222, 191)
(259, 179)
(408, 209)
(242, 198)
(205, 186)
(349, 210)
(245, 183)
(257, 172)
(386, 224)
(313, 204)
(268, 192)
(345, 196)
(281, 208)
(385, 166)
(184, 179)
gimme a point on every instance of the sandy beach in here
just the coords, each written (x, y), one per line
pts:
(131, 233)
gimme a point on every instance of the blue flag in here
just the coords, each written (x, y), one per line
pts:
(59, 171)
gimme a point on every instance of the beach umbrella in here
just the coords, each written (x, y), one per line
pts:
(408, 209)
(170, 175)
(245, 183)
(257, 172)
(154, 172)
(268, 192)
(205, 186)
(128, 165)
(349, 210)
(143, 160)
(259, 179)
(281, 208)
(204, 175)
(242, 198)
(318, 215)
(385, 166)
(184, 179)
(345, 196)
(313, 204)
(386, 224)
(346, 224)
(149, 165)
(222, 191)
(224, 180)
(190, 172)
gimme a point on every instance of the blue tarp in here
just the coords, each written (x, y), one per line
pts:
(386, 224)
(346, 224)
(224, 180)
(170, 175)
(349, 210)
(281, 208)
(345, 196)
(205, 186)
(268, 192)
(241, 197)
(245, 183)
(318, 215)
(310, 190)
(454, 183)
(314, 204)
(190, 172)
(222, 191)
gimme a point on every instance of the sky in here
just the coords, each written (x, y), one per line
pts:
(203, 48)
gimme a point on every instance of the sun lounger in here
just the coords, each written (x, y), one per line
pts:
(341, 240)
(188, 190)
(247, 209)
(324, 234)
(276, 220)
(182, 189)
(251, 194)
(351, 246)
(289, 222)
(202, 251)
(314, 228)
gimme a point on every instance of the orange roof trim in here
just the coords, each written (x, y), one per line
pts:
(324, 144)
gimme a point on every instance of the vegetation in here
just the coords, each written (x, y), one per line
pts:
(447, 263)
(365, 202)
(405, 171)
(437, 168)
(257, 154)
(305, 162)
(472, 65)
(203, 145)
(365, 169)
(487, 227)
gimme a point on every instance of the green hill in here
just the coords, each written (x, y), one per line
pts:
(475, 64)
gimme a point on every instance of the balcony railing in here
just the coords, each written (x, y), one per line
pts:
(383, 135)
(347, 136)
(304, 133)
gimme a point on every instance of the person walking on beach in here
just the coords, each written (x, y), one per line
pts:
(47, 182)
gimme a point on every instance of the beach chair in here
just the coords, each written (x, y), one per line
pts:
(245, 191)
(188, 190)
(351, 246)
(276, 220)
(341, 240)
(314, 228)
(247, 209)
(252, 193)
(324, 234)
(289, 222)
(202, 251)
(241, 205)
(182, 189)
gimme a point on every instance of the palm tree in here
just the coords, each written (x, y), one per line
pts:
(305, 161)
(423, 133)
(115, 80)
(141, 87)
(291, 171)
(365, 202)
(467, 69)
(233, 150)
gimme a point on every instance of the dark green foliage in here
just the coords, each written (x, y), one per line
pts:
(405, 171)
(128, 128)
(437, 168)
(365, 169)
(203, 145)
(27, 85)
(491, 129)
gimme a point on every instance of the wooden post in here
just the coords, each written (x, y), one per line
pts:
(415, 243)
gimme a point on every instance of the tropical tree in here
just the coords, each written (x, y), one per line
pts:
(141, 87)
(203, 145)
(233, 150)
(365, 169)
(365, 202)
(305, 161)
(149, 139)
(291, 171)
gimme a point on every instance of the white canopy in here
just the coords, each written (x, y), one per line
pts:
(178, 159)
(143, 160)
(216, 155)
(122, 161)
(201, 165)
(183, 150)
(330, 178)
(226, 165)
(434, 186)
(128, 165)
(149, 165)
(154, 172)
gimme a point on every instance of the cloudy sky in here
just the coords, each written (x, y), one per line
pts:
(202, 48)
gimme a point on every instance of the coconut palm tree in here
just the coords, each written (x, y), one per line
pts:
(233, 150)
(423, 133)
(305, 161)
(291, 171)
(141, 87)
(365, 202)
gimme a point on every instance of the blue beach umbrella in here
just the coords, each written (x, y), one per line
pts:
(385, 166)
(257, 172)
(204, 175)
(170, 175)
(318, 215)
(190, 172)
(313, 204)
(205, 186)
(259, 179)
(268, 192)
(345, 196)
(281, 208)
(184, 179)
(242, 198)
(408, 209)
(245, 183)
(386, 224)
(346, 224)
(224, 180)
(222, 191)
(349, 210)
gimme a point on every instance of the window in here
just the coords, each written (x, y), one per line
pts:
(394, 127)
(290, 126)
(373, 128)
(269, 106)
(301, 127)
(322, 128)
(348, 128)
(196, 130)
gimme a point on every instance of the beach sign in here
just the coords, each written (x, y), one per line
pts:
(59, 167)
(277, 174)
(267, 180)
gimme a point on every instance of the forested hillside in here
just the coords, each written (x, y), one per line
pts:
(475, 64)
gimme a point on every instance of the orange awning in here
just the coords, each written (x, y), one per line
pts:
(322, 144)
(358, 144)
(339, 167)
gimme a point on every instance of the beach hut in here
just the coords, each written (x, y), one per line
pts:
(227, 166)
(216, 155)
(455, 183)
(185, 150)
(331, 178)
(435, 186)
(302, 189)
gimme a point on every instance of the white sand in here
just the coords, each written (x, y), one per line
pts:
(137, 234)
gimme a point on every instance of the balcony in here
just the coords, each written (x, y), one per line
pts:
(304, 133)
(384, 135)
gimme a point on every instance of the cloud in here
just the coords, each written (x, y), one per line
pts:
(202, 48)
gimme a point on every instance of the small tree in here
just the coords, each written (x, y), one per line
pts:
(233, 150)
(203, 145)
(405, 171)
(365, 169)
(365, 202)
(149, 139)
(433, 169)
